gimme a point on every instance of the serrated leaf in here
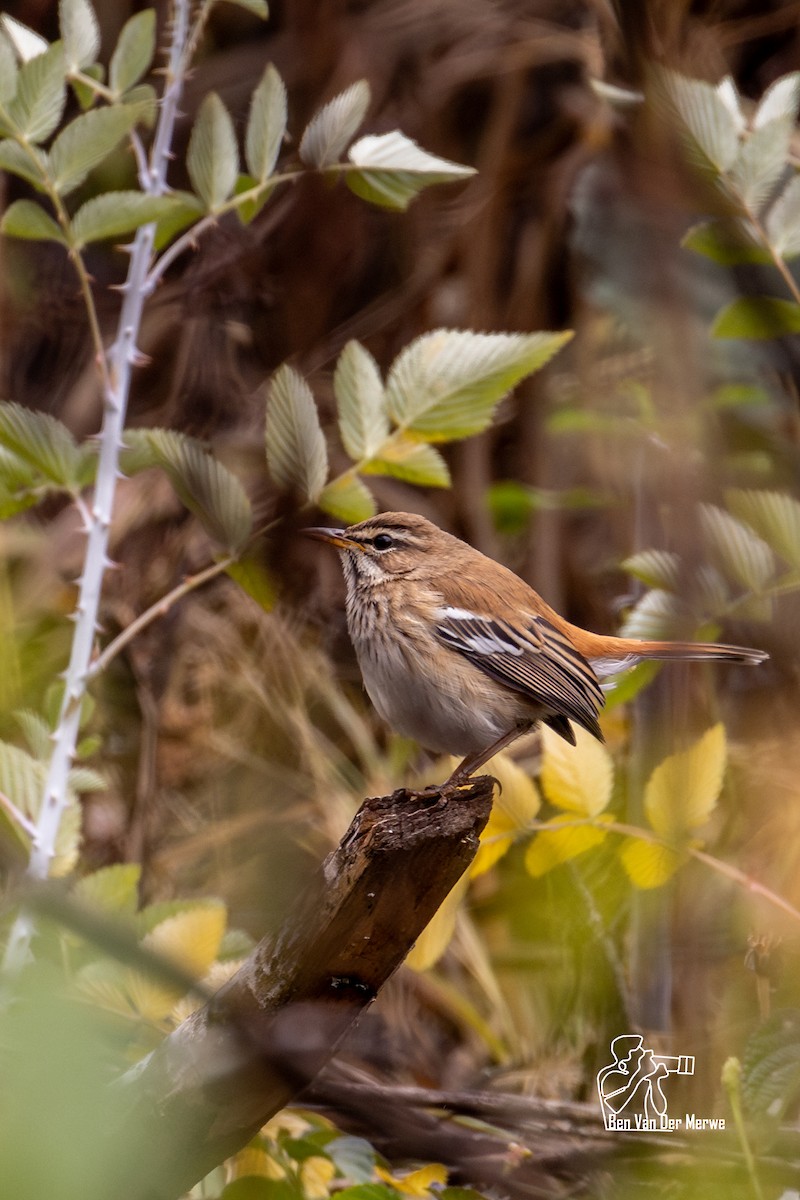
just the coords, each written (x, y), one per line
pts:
(266, 125)
(392, 170)
(206, 487)
(23, 780)
(213, 155)
(774, 516)
(297, 456)
(113, 889)
(758, 317)
(728, 243)
(190, 940)
(579, 778)
(114, 214)
(38, 106)
(86, 779)
(560, 842)
(712, 129)
(779, 101)
(27, 44)
(330, 130)
(42, 442)
(29, 162)
(649, 864)
(783, 220)
(354, 1157)
(8, 71)
(80, 33)
(415, 462)
(656, 568)
(726, 90)
(27, 219)
(516, 803)
(133, 52)
(446, 384)
(741, 553)
(438, 933)
(184, 210)
(657, 615)
(86, 142)
(683, 790)
(761, 162)
(361, 402)
(37, 733)
(347, 499)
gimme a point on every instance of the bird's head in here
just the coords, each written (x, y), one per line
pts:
(389, 545)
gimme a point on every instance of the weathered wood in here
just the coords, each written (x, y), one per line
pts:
(259, 1041)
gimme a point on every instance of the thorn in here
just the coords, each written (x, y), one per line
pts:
(137, 358)
(110, 564)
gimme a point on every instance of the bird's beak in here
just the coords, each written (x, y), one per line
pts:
(334, 537)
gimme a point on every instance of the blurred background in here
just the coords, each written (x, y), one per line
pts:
(237, 741)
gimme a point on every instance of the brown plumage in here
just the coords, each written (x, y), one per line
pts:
(461, 654)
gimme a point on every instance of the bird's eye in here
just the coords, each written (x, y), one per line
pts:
(383, 542)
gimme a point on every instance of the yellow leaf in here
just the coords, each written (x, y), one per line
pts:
(255, 1161)
(437, 934)
(418, 1183)
(579, 778)
(515, 805)
(316, 1174)
(560, 842)
(683, 790)
(191, 940)
(219, 973)
(649, 864)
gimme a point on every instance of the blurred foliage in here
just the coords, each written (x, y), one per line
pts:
(649, 477)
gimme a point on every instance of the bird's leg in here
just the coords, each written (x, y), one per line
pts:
(469, 765)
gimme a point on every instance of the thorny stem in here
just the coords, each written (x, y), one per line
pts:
(116, 370)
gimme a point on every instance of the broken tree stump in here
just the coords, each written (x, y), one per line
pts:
(236, 1061)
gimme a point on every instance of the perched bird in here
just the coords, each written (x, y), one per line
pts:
(457, 652)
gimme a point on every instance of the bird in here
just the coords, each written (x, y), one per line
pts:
(460, 654)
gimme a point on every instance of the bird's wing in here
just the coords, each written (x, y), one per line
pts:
(534, 659)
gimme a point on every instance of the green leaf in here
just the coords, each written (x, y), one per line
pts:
(27, 44)
(37, 108)
(361, 402)
(331, 130)
(266, 125)
(783, 220)
(446, 384)
(80, 33)
(26, 219)
(111, 889)
(392, 170)
(23, 780)
(253, 578)
(114, 214)
(415, 462)
(774, 516)
(727, 243)
(761, 162)
(347, 499)
(711, 125)
(183, 211)
(758, 317)
(8, 71)
(84, 92)
(86, 779)
(656, 568)
(684, 788)
(297, 456)
(657, 615)
(37, 733)
(213, 156)
(779, 101)
(742, 554)
(86, 142)
(206, 487)
(133, 52)
(41, 441)
(258, 7)
(579, 778)
(353, 1157)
